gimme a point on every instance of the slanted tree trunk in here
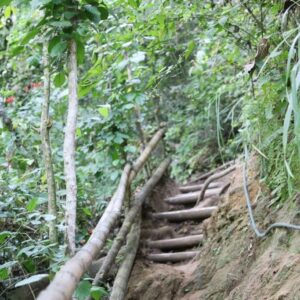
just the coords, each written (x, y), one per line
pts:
(129, 219)
(121, 282)
(46, 147)
(69, 152)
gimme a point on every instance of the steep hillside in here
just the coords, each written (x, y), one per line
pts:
(232, 263)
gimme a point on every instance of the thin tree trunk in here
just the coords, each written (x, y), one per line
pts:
(121, 282)
(46, 147)
(129, 219)
(69, 152)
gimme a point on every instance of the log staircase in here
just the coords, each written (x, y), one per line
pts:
(181, 212)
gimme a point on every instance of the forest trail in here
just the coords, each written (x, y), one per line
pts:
(171, 233)
(223, 258)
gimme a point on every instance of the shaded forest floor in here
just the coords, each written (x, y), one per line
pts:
(232, 262)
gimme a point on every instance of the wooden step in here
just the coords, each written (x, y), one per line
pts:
(186, 214)
(191, 198)
(181, 242)
(172, 257)
(198, 187)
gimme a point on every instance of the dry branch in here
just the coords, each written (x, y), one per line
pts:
(122, 278)
(137, 166)
(129, 219)
(198, 187)
(212, 178)
(172, 257)
(65, 281)
(191, 198)
(206, 175)
(182, 242)
(186, 214)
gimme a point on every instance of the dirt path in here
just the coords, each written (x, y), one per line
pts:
(168, 250)
(232, 264)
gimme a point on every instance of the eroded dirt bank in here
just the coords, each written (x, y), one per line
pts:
(233, 263)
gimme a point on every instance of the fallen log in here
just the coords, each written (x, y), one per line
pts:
(65, 281)
(172, 257)
(186, 214)
(129, 219)
(198, 187)
(181, 242)
(122, 278)
(212, 178)
(191, 198)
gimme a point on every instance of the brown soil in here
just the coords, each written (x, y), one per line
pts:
(233, 263)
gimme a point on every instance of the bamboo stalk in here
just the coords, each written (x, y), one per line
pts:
(186, 214)
(181, 242)
(172, 257)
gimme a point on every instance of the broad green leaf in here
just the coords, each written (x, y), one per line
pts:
(98, 292)
(61, 24)
(104, 110)
(190, 49)
(59, 79)
(83, 290)
(5, 269)
(30, 35)
(31, 279)
(57, 46)
(80, 52)
(4, 235)
(32, 204)
(87, 211)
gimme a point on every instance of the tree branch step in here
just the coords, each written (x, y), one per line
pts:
(181, 242)
(198, 187)
(172, 257)
(191, 198)
(186, 214)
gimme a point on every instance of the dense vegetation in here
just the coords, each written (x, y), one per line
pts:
(221, 74)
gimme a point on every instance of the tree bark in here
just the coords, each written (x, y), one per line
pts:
(191, 198)
(182, 242)
(69, 152)
(46, 147)
(172, 257)
(65, 281)
(186, 214)
(212, 178)
(131, 215)
(121, 281)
